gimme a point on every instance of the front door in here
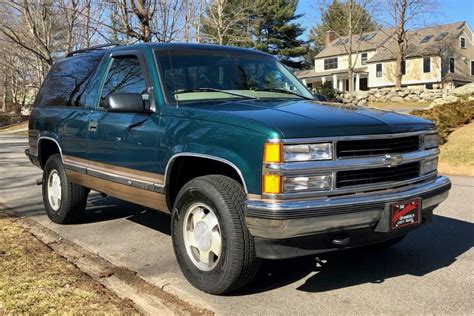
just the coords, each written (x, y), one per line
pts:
(123, 146)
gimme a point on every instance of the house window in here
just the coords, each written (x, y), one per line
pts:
(426, 64)
(363, 58)
(472, 67)
(429, 86)
(378, 70)
(404, 67)
(452, 65)
(330, 63)
(462, 42)
(426, 39)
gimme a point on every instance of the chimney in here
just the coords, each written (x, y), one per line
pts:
(330, 36)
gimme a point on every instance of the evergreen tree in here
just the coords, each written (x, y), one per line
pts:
(335, 18)
(275, 31)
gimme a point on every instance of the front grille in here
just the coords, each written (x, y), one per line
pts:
(372, 147)
(377, 175)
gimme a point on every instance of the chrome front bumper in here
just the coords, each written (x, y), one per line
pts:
(295, 218)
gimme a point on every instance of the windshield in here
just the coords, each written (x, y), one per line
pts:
(203, 74)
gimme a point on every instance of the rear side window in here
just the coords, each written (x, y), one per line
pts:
(125, 76)
(67, 80)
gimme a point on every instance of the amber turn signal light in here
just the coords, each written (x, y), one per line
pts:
(272, 153)
(271, 184)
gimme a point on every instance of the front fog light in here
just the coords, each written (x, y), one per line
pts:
(430, 166)
(307, 183)
(307, 152)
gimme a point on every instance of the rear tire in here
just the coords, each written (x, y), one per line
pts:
(210, 239)
(63, 200)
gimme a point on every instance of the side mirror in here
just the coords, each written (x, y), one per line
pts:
(125, 102)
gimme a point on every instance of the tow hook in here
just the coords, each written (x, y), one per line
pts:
(39, 181)
(341, 242)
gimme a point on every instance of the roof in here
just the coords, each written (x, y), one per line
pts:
(427, 41)
(460, 77)
(311, 73)
(369, 41)
(192, 46)
(384, 43)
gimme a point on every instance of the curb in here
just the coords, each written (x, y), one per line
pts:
(149, 299)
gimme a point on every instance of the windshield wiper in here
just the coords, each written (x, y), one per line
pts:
(282, 90)
(213, 90)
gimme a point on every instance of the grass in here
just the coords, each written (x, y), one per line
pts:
(399, 105)
(457, 155)
(35, 280)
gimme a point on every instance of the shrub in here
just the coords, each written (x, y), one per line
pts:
(327, 90)
(448, 117)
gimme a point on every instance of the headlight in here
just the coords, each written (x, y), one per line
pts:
(430, 141)
(307, 152)
(430, 166)
(307, 183)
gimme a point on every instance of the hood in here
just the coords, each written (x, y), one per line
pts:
(305, 119)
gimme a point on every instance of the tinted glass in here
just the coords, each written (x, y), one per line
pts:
(247, 73)
(378, 70)
(67, 80)
(125, 76)
(330, 63)
(426, 64)
(451, 65)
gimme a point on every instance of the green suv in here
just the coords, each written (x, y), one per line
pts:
(236, 149)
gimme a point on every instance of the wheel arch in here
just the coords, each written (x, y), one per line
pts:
(48, 146)
(178, 168)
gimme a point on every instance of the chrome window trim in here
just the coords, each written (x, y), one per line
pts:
(191, 154)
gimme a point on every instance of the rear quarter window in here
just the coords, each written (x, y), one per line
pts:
(67, 80)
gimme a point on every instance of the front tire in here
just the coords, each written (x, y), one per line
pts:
(211, 242)
(63, 200)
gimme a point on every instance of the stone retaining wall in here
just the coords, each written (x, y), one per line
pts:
(435, 97)
(392, 95)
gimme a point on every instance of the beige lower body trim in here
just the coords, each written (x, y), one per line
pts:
(146, 198)
(120, 171)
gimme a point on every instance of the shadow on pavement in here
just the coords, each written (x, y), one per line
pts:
(423, 251)
(101, 209)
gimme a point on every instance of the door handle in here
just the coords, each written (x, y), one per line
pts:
(93, 126)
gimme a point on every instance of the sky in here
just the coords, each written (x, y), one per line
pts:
(448, 11)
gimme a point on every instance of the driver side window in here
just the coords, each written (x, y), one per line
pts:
(125, 76)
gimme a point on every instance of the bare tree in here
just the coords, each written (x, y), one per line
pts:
(222, 18)
(404, 14)
(33, 29)
(359, 16)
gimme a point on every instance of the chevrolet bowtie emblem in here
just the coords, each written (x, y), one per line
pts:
(392, 160)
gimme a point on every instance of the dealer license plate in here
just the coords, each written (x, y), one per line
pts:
(405, 213)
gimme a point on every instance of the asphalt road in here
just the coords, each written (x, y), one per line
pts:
(431, 271)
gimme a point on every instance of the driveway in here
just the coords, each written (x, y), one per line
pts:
(431, 271)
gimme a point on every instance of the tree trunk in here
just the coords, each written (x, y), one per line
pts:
(400, 44)
(350, 63)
